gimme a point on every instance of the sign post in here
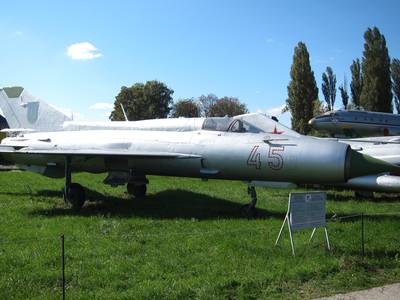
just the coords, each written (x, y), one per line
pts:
(305, 210)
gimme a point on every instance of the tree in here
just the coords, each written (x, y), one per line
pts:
(227, 106)
(356, 83)
(376, 94)
(344, 94)
(187, 108)
(395, 69)
(302, 90)
(205, 102)
(329, 87)
(318, 108)
(151, 100)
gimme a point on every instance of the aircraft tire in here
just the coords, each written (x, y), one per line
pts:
(76, 196)
(136, 190)
(249, 211)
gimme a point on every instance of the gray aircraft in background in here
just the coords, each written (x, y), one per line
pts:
(357, 123)
(250, 147)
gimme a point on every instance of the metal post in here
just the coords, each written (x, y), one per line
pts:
(291, 237)
(312, 234)
(327, 239)
(362, 236)
(67, 176)
(280, 231)
(63, 265)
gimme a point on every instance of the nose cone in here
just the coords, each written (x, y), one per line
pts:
(312, 122)
(358, 164)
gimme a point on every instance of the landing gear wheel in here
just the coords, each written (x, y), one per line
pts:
(250, 209)
(136, 190)
(75, 197)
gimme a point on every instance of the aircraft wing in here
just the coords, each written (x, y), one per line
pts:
(96, 152)
(375, 140)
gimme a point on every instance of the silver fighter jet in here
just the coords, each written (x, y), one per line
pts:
(249, 147)
(224, 148)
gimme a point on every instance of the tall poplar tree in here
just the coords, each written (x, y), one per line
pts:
(344, 94)
(356, 83)
(376, 94)
(302, 90)
(395, 68)
(329, 87)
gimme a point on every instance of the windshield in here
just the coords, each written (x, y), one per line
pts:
(261, 123)
(250, 123)
(229, 125)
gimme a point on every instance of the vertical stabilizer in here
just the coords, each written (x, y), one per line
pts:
(24, 111)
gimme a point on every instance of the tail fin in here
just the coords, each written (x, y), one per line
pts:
(23, 111)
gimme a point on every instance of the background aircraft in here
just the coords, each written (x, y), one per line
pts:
(356, 123)
(26, 113)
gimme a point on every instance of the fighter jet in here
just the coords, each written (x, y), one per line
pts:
(224, 148)
(27, 113)
(356, 123)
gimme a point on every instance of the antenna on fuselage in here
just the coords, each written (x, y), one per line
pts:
(123, 111)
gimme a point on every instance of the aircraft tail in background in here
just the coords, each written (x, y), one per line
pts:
(24, 111)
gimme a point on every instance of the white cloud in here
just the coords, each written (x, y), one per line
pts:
(275, 111)
(102, 106)
(270, 40)
(83, 51)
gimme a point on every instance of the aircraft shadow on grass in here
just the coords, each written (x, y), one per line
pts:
(177, 203)
(167, 204)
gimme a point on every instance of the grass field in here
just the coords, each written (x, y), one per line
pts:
(187, 239)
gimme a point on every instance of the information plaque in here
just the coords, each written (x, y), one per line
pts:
(305, 210)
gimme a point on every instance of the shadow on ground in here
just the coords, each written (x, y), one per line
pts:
(179, 203)
(167, 204)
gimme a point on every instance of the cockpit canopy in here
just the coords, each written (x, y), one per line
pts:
(247, 123)
(229, 125)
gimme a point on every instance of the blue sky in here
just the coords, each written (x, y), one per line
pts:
(230, 48)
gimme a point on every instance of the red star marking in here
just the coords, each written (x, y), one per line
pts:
(276, 131)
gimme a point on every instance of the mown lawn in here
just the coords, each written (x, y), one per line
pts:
(187, 239)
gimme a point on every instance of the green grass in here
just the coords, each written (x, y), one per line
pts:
(187, 239)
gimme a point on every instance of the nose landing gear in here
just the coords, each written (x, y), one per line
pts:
(250, 208)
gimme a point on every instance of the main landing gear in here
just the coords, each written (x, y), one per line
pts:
(250, 208)
(74, 194)
(137, 186)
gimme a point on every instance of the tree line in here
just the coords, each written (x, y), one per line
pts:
(374, 86)
(153, 100)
